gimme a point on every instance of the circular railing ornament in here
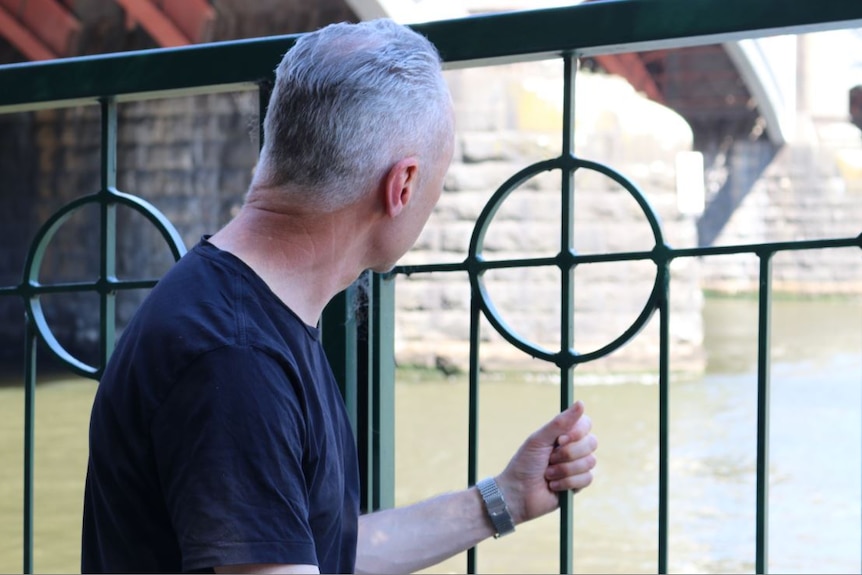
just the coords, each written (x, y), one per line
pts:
(33, 289)
(566, 260)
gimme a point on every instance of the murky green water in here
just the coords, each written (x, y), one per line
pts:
(62, 414)
(815, 481)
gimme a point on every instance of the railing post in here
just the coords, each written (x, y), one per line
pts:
(473, 407)
(763, 363)
(29, 437)
(358, 335)
(108, 235)
(339, 333)
(381, 392)
(567, 289)
(663, 269)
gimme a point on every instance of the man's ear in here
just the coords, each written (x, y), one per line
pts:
(399, 185)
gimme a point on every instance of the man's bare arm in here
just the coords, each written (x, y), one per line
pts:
(407, 539)
(556, 458)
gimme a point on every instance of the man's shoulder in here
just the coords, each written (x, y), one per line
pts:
(193, 294)
(182, 317)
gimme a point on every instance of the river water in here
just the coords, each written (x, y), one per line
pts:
(815, 447)
(815, 465)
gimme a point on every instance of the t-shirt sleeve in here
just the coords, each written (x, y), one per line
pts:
(228, 443)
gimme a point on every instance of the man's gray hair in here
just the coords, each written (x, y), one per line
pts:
(349, 101)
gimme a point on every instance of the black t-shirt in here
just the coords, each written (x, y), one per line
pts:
(218, 435)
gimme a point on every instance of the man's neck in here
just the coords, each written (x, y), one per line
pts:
(305, 258)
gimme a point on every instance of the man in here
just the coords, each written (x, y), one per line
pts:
(218, 437)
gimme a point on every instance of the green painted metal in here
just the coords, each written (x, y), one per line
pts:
(381, 392)
(476, 264)
(108, 229)
(30, 336)
(599, 27)
(32, 288)
(567, 290)
(630, 25)
(106, 285)
(473, 401)
(362, 349)
(663, 269)
(764, 328)
(339, 336)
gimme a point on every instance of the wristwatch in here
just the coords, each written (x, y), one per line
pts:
(496, 507)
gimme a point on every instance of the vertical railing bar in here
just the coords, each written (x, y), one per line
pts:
(338, 333)
(108, 236)
(369, 419)
(29, 438)
(570, 69)
(567, 291)
(108, 142)
(473, 408)
(382, 399)
(763, 388)
(664, 413)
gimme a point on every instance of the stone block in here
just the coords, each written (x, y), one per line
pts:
(509, 236)
(455, 237)
(462, 205)
(478, 177)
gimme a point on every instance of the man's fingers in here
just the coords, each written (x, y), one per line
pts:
(570, 463)
(570, 466)
(581, 429)
(574, 450)
(571, 482)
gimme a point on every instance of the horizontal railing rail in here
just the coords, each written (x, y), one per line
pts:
(586, 29)
(365, 346)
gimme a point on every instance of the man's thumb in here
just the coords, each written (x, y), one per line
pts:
(562, 423)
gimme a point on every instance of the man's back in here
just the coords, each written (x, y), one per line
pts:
(218, 435)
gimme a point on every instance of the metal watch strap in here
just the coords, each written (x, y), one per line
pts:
(496, 507)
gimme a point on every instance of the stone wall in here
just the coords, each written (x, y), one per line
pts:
(17, 223)
(190, 157)
(509, 118)
(811, 190)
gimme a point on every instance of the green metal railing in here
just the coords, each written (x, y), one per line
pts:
(362, 348)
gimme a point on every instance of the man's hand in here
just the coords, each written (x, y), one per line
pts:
(557, 457)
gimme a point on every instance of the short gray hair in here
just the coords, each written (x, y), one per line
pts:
(349, 101)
